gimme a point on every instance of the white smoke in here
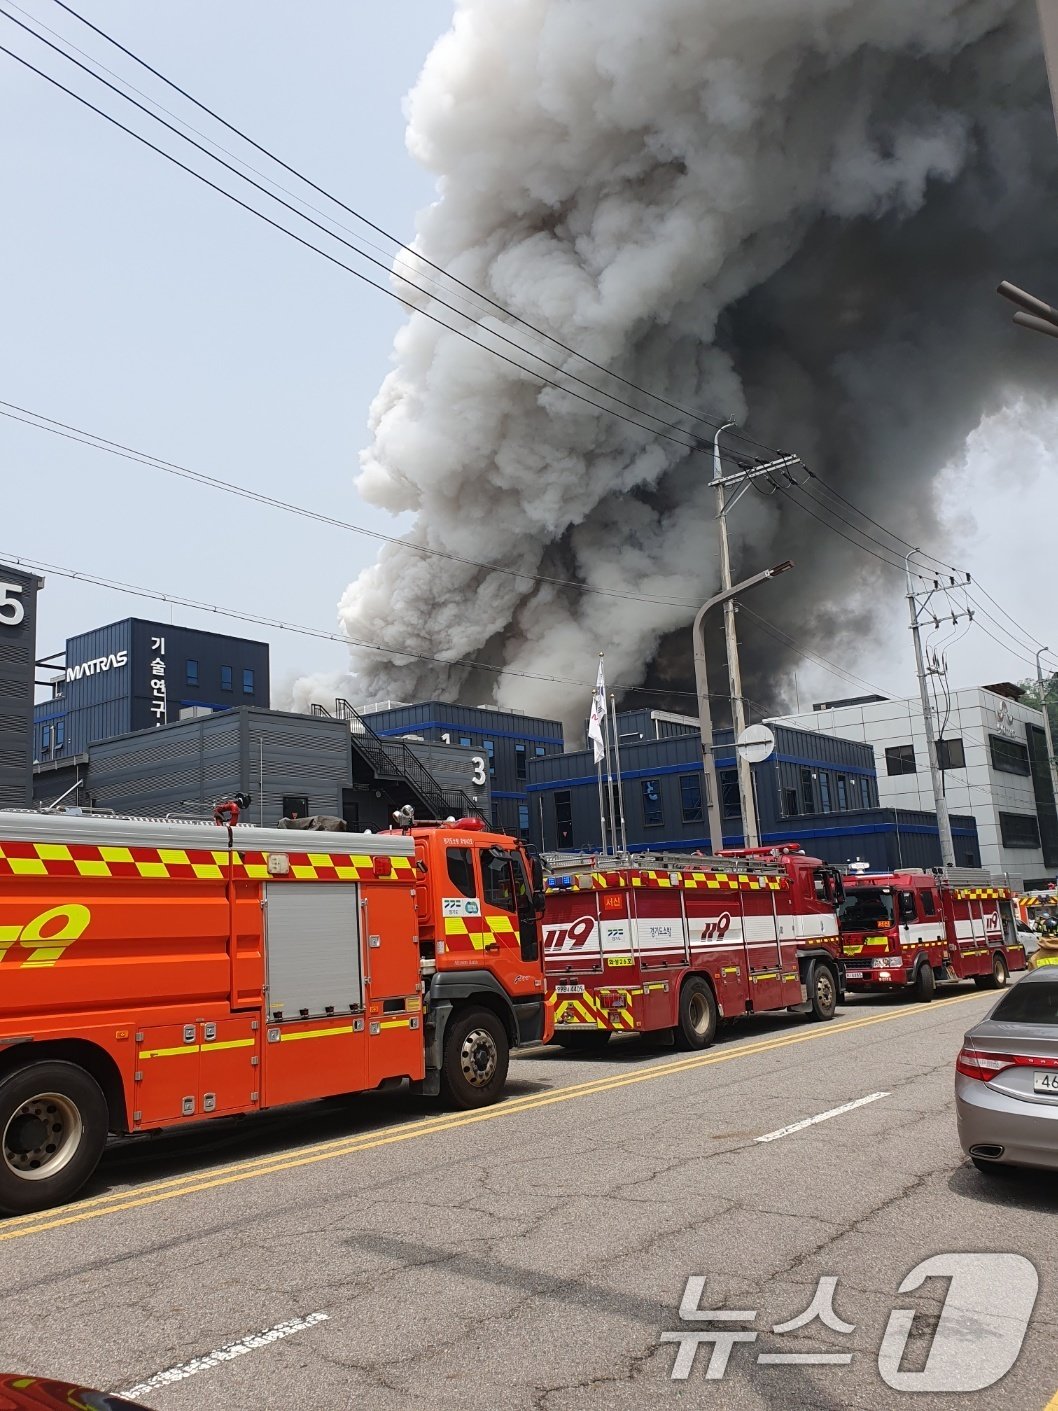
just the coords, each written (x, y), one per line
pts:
(788, 212)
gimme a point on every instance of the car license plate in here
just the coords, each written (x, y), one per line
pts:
(1045, 1083)
(854, 975)
(569, 989)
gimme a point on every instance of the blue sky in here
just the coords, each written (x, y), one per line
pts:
(142, 306)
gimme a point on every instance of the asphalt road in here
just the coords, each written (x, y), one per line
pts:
(376, 1251)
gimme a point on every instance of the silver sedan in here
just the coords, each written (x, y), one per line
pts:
(1006, 1079)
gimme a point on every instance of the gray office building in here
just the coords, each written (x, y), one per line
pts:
(18, 651)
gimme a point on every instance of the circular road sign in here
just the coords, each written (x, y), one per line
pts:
(756, 743)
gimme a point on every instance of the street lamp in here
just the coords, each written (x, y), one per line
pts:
(1033, 313)
(705, 714)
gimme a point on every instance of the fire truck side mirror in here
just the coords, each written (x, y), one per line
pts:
(539, 902)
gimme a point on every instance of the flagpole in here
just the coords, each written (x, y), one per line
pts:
(598, 739)
(620, 781)
(614, 839)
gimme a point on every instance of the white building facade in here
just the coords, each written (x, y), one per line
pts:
(993, 755)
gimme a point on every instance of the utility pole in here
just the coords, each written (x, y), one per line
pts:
(721, 484)
(1051, 762)
(947, 845)
(705, 715)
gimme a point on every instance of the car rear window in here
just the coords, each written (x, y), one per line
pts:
(1029, 1004)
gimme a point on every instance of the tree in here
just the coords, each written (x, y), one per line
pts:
(1033, 698)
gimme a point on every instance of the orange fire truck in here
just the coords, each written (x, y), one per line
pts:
(153, 974)
(917, 929)
(677, 942)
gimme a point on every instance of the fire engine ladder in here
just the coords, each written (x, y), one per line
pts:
(561, 863)
(394, 761)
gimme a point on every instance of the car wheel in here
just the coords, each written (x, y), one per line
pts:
(822, 993)
(53, 1125)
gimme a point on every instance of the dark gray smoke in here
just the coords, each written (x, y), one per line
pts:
(789, 212)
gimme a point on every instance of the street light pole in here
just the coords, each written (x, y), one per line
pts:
(705, 714)
(1051, 762)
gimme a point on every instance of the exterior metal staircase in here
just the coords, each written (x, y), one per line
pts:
(395, 763)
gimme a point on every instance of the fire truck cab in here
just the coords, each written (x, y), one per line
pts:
(676, 942)
(156, 973)
(916, 929)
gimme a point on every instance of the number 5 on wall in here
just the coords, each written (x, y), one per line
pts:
(12, 608)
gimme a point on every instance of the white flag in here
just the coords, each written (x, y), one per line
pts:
(598, 715)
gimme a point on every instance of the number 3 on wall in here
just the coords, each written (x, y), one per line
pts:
(12, 608)
(478, 776)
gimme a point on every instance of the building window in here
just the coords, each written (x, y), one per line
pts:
(225, 678)
(191, 671)
(461, 871)
(564, 819)
(1009, 757)
(789, 803)
(523, 819)
(60, 735)
(247, 682)
(950, 754)
(540, 751)
(1019, 830)
(730, 799)
(466, 741)
(900, 759)
(808, 793)
(295, 806)
(653, 813)
(843, 794)
(824, 792)
(519, 761)
(490, 750)
(45, 739)
(691, 797)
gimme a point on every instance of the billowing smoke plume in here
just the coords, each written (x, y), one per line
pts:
(788, 212)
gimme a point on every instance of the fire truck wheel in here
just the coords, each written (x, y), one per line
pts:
(697, 1026)
(53, 1124)
(925, 986)
(474, 1069)
(997, 980)
(822, 993)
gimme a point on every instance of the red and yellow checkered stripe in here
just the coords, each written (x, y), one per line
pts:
(481, 931)
(983, 893)
(688, 881)
(584, 1010)
(57, 860)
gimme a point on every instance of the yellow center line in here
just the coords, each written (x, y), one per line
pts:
(112, 1204)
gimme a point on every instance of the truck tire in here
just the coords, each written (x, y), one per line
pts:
(822, 993)
(53, 1126)
(997, 980)
(476, 1058)
(925, 983)
(698, 1015)
(586, 1041)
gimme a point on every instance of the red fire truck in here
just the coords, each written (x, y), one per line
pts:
(677, 942)
(917, 929)
(153, 974)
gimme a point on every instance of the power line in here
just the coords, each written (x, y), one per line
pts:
(696, 443)
(379, 230)
(258, 619)
(115, 448)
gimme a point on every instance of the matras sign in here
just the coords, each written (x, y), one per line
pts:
(97, 664)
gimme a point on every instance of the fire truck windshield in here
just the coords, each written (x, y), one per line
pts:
(864, 908)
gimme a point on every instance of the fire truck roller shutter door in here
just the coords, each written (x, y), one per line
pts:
(312, 949)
